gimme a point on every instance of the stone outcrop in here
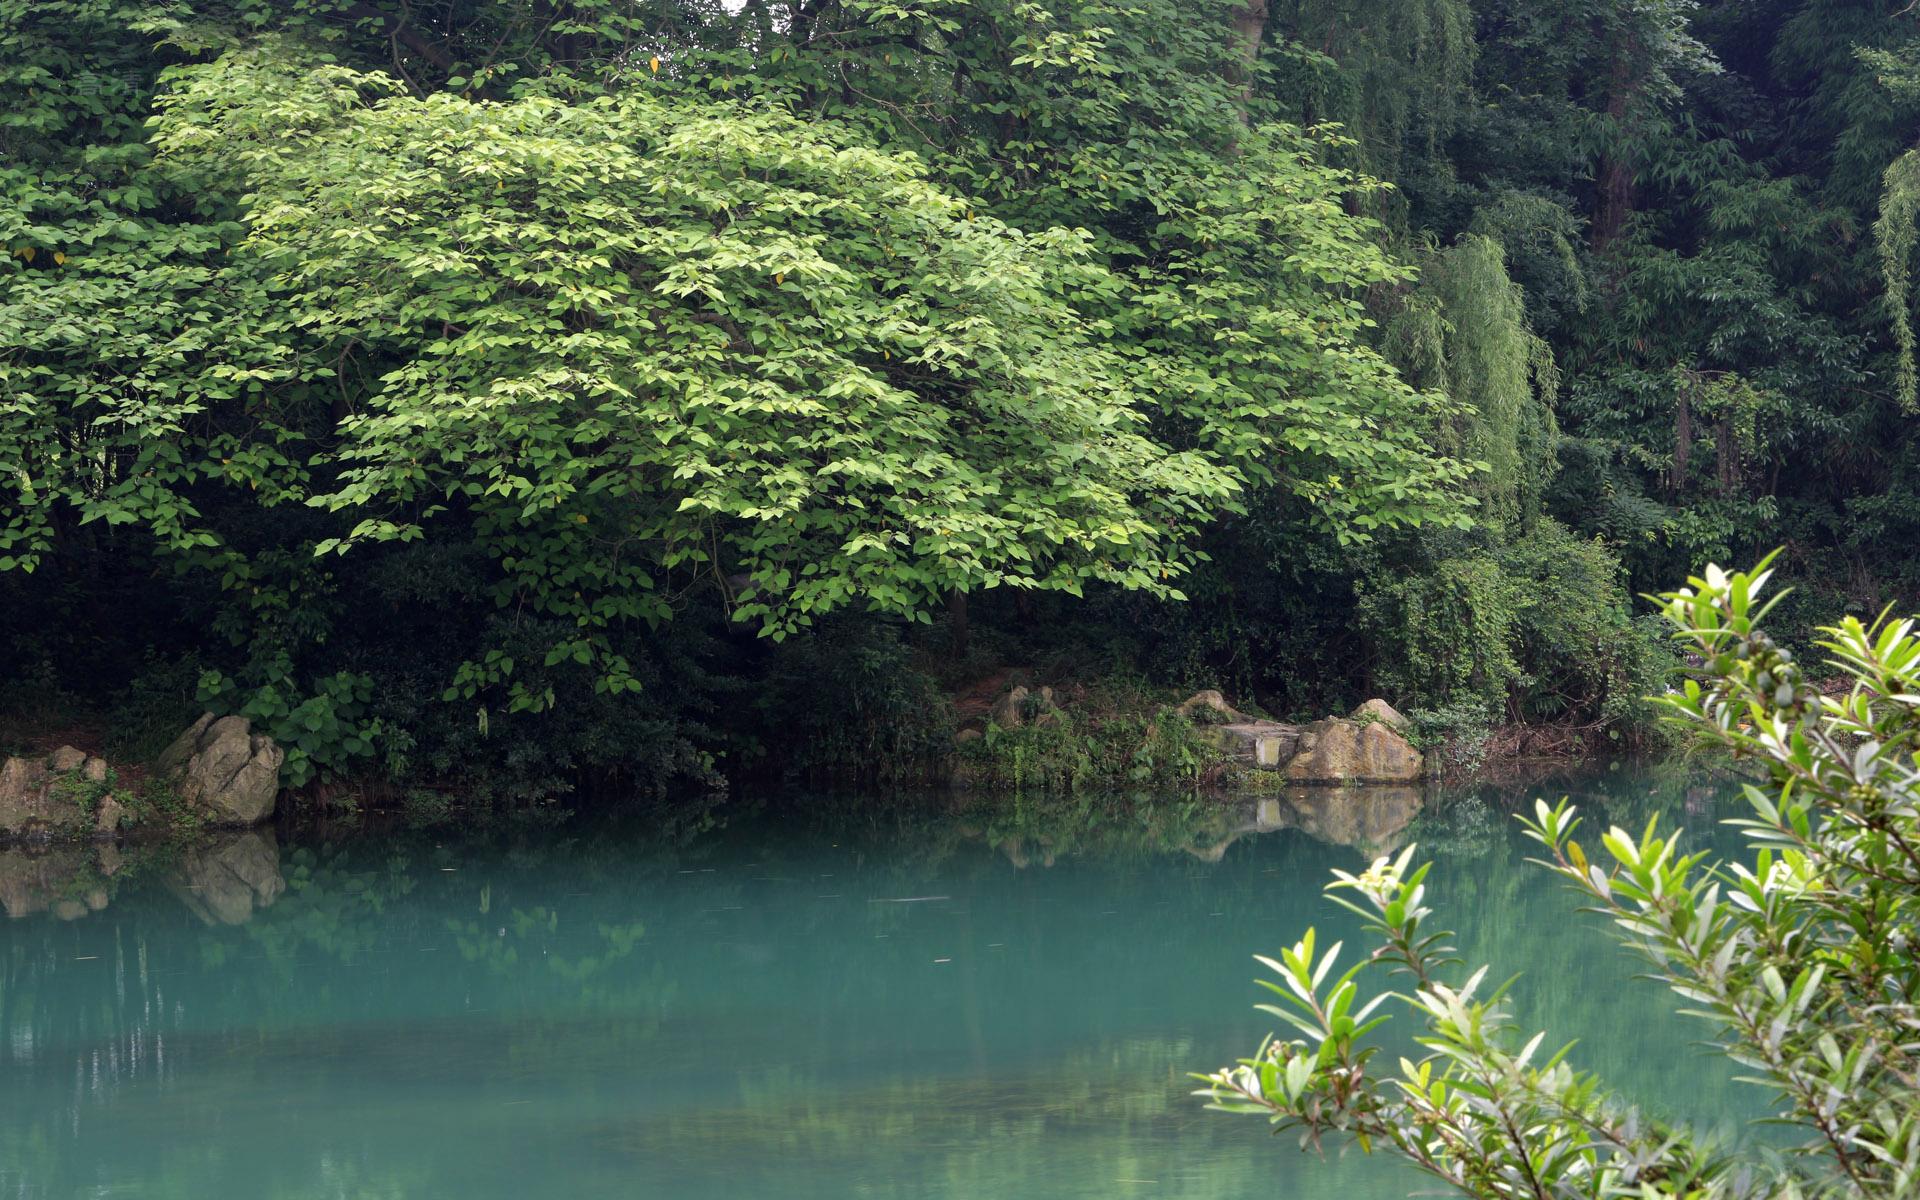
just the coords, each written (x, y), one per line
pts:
(1368, 747)
(1379, 710)
(1008, 711)
(1208, 701)
(1265, 744)
(24, 783)
(60, 795)
(1011, 710)
(225, 769)
(1343, 750)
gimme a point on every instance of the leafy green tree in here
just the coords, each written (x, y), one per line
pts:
(1182, 332)
(127, 395)
(635, 336)
(1799, 957)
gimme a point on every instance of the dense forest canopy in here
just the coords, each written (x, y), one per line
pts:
(534, 394)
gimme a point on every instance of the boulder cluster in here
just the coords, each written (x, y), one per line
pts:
(65, 794)
(219, 771)
(1369, 745)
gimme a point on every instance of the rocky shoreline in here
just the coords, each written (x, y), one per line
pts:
(1370, 745)
(217, 774)
(220, 774)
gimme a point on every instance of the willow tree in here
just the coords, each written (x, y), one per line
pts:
(1395, 75)
(1898, 71)
(1465, 332)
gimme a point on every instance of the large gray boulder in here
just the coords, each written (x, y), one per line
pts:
(24, 784)
(225, 769)
(1209, 700)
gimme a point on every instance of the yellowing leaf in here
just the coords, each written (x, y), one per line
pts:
(653, 64)
(60, 258)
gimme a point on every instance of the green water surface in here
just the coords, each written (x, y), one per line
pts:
(819, 1001)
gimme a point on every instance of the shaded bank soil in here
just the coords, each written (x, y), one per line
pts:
(998, 730)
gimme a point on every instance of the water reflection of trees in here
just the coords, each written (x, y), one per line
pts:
(770, 997)
(1041, 831)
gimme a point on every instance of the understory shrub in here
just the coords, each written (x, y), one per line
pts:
(1537, 632)
(850, 703)
(1113, 736)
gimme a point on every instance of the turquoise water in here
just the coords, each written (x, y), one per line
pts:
(916, 1004)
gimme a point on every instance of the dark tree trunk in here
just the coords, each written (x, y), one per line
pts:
(957, 621)
(1727, 446)
(1682, 442)
(1616, 177)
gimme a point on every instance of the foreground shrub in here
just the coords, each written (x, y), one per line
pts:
(1800, 956)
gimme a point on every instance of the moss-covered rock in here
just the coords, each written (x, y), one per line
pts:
(1344, 750)
(58, 796)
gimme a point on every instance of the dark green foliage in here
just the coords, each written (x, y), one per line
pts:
(465, 388)
(850, 704)
(1538, 632)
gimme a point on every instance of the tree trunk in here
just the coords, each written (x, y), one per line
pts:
(1727, 449)
(1682, 442)
(1249, 30)
(1616, 179)
(957, 621)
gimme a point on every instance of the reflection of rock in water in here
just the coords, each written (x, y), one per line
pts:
(1016, 852)
(223, 882)
(69, 881)
(1373, 820)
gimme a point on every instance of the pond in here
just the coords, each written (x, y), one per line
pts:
(830, 1000)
